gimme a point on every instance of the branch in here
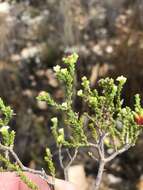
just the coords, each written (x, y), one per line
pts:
(97, 146)
(99, 175)
(112, 156)
(61, 158)
(68, 153)
(93, 157)
(101, 144)
(41, 173)
(72, 158)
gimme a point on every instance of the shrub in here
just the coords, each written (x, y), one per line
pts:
(112, 125)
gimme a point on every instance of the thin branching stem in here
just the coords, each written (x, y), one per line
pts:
(61, 157)
(103, 161)
(71, 157)
(41, 173)
(120, 151)
(68, 153)
(93, 157)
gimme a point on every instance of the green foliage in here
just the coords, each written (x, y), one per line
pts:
(6, 112)
(107, 113)
(66, 76)
(48, 159)
(26, 180)
(7, 136)
(138, 108)
(7, 140)
(110, 122)
(6, 115)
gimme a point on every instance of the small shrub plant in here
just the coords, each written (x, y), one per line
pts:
(112, 126)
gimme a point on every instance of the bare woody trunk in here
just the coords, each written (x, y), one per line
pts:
(97, 183)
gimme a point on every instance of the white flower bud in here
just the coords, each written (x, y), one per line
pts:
(80, 92)
(4, 129)
(64, 105)
(54, 120)
(61, 131)
(84, 78)
(121, 79)
(57, 68)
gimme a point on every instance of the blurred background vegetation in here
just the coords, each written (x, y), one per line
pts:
(34, 36)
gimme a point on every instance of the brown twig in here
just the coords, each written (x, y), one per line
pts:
(71, 157)
(102, 158)
(41, 173)
(123, 149)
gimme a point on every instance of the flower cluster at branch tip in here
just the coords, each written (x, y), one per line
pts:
(71, 59)
(121, 79)
(57, 68)
(64, 105)
(80, 92)
(138, 114)
(4, 129)
(139, 118)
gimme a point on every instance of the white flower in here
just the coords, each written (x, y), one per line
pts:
(54, 120)
(84, 78)
(4, 129)
(61, 131)
(121, 79)
(57, 68)
(60, 138)
(64, 105)
(80, 92)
